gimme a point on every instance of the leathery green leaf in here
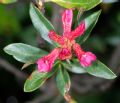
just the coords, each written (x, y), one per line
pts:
(42, 25)
(98, 69)
(7, 1)
(24, 53)
(37, 79)
(90, 22)
(85, 4)
(63, 81)
(74, 67)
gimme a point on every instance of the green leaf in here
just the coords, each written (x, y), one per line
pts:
(63, 81)
(7, 1)
(24, 53)
(41, 23)
(37, 79)
(98, 69)
(74, 67)
(90, 22)
(85, 4)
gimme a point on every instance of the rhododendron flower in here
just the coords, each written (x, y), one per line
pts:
(66, 44)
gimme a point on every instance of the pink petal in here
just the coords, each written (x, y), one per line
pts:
(53, 36)
(67, 21)
(78, 50)
(45, 63)
(65, 54)
(87, 58)
(78, 31)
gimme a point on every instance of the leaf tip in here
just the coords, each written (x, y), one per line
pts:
(26, 65)
(5, 49)
(26, 89)
(113, 77)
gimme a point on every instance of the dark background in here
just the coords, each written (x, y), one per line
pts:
(16, 26)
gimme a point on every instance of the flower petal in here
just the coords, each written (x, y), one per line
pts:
(78, 50)
(87, 58)
(45, 63)
(67, 21)
(53, 36)
(78, 31)
(65, 54)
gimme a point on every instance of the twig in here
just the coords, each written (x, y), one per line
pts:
(114, 61)
(89, 83)
(12, 69)
(80, 12)
(58, 99)
(69, 99)
(56, 18)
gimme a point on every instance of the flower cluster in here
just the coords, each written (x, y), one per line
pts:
(67, 44)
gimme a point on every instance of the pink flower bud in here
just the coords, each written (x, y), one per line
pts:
(87, 58)
(45, 64)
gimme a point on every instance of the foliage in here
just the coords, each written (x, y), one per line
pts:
(29, 54)
(7, 1)
(85, 4)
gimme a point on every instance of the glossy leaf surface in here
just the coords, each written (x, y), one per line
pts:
(24, 53)
(63, 81)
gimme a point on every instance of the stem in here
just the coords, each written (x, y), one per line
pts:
(69, 99)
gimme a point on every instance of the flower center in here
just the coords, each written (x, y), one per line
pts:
(67, 43)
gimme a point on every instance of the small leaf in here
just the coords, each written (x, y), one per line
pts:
(37, 79)
(24, 53)
(85, 4)
(41, 23)
(63, 81)
(26, 65)
(90, 22)
(7, 1)
(98, 69)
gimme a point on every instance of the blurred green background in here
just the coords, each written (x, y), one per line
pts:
(16, 26)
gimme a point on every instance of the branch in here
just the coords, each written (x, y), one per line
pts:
(114, 61)
(56, 18)
(12, 69)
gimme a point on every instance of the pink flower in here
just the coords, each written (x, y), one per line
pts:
(45, 63)
(85, 58)
(68, 39)
(66, 44)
